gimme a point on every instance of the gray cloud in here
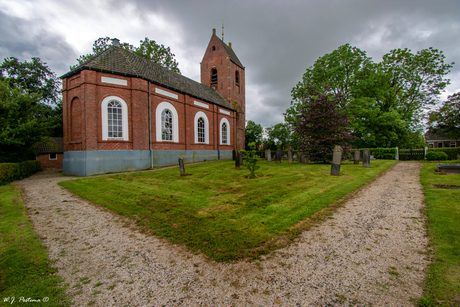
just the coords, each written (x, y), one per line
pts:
(275, 40)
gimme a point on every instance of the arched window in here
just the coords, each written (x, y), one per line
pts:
(213, 75)
(167, 123)
(237, 77)
(114, 112)
(201, 128)
(224, 132)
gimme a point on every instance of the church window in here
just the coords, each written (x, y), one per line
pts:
(237, 77)
(213, 75)
(114, 111)
(201, 128)
(224, 132)
(167, 123)
(213, 48)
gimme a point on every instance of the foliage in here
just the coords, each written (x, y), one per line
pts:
(253, 134)
(25, 268)
(148, 49)
(251, 159)
(436, 156)
(280, 136)
(442, 281)
(15, 171)
(446, 120)
(215, 212)
(20, 127)
(451, 152)
(386, 101)
(321, 124)
(382, 153)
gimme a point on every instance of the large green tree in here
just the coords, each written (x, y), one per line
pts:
(37, 79)
(280, 136)
(386, 101)
(20, 128)
(253, 134)
(446, 120)
(148, 49)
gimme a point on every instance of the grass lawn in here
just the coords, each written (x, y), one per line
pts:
(443, 211)
(217, 210)
(25, 273)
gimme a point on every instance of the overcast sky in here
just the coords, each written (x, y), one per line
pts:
(275, 40)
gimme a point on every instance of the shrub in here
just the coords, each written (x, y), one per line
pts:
(382, 153)
(16, 171)
(452, 152)
(436, 156)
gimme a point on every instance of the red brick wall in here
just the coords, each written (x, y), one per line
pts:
(51, 164)
(83, 126)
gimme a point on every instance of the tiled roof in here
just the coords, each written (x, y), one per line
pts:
(55, 145)
(119, 61)
(433, 137)
(231, 54)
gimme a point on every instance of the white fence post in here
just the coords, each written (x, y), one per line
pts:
(397, 153)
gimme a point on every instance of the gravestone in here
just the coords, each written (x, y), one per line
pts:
(356, 156)
(268, 154)
(367, 158)
(237, 160)
(336, 160)
(303, 157)
(181, 167)
(279, 153)
(290, 156)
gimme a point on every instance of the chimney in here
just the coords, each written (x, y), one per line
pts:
(213, 31)
(230, 45)
(115, 42)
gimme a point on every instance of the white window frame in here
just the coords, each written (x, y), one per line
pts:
(124, 118)
(49, 155)
(453, 143)
(206, 127)
(175, 122)
(222, 121)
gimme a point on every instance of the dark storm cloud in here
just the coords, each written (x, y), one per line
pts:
(25, 39)
(278, 40)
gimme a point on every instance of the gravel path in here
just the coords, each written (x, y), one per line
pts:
(371, 252)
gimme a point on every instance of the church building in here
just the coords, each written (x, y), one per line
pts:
(122, 112)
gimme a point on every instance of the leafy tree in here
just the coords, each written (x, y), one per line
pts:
(254, 133)
(148, 49)
(321, 124)
(386, 102)
(280, 136)
(20, 128)
(37, 78)
(446, 120)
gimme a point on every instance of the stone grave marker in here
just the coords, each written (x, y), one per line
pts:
(279, 153)
(268, 154)
(356, 156)
(366, 158)
(336, 160)
(290, 156)
(182, 167)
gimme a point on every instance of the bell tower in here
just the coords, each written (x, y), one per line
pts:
(222, 70)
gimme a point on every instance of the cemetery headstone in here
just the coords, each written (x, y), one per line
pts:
(336, 160)
(237, 160)
(181, 167)
(290, 156)
(366, 158)
(356, 156)
(268, 154)
(279, 153)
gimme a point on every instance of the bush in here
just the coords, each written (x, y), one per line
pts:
(452, 152)
(382, 153)
(436, 156)
(15, 171)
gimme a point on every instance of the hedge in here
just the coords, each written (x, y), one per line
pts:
(15, 171)
(436, 156)
(382, 153)
(452, 152)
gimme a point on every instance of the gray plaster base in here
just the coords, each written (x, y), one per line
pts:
(88, 163)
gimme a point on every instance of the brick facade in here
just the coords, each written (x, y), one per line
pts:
(86, 90)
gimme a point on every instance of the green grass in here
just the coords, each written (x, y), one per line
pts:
(442, 286)
(25, 270)
(217, 210)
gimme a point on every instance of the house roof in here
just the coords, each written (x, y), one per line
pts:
(119, 61)
(433, 137)
(231, 54)
(54, 145)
